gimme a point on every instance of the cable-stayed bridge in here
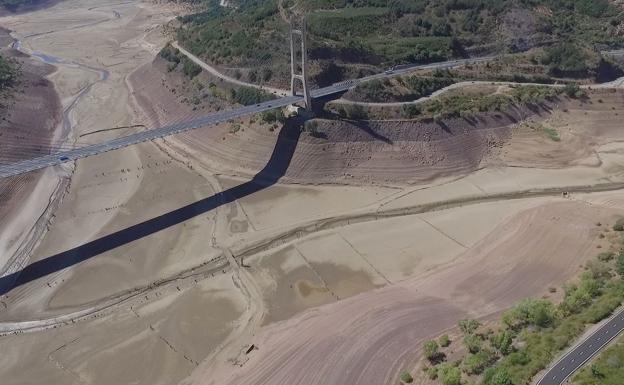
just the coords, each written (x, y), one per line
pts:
(64, 154)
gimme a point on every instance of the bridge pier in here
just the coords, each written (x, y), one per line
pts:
(295, 75)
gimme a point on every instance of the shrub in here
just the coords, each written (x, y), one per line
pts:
(355, 111)
(189, 68)
(249, 95)
(468, 326)
(272, 116)
(477, 363)
(406, 377)
(619, 225)
(566, 59)
(9, 72)
(432, 372)
(502, 341)
(497, 376)
(574, 91)
(411, 111)
(473, 343)
(606, 256)
(598, 269)
(431, 350)
(170, 54)
(449, 374)
(444, 341)
(530, 311)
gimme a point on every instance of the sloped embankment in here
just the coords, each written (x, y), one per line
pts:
(27, 130)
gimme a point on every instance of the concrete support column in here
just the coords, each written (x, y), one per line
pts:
(294, 75)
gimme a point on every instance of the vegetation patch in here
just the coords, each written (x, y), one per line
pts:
(400, 89)
(253, 34)
(538, 127)
(608, 368)
(9, 73)
(531, 334)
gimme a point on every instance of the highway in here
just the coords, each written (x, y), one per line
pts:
(583, 352)
(24, 166)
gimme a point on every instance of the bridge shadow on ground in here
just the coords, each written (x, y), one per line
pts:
(275, 168)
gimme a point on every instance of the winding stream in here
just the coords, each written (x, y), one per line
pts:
(67, 125)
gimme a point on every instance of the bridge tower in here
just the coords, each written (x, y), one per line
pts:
(298, 71)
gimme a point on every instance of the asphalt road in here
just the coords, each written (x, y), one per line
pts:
(579, 355)
(28, 165)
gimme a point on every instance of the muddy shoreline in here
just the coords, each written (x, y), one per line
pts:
(32, 128)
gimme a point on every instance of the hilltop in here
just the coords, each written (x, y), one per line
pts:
(354, 37)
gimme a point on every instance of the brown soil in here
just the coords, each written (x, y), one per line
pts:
(369, 338)
(394, 152)
(28, 125)
(28, 7)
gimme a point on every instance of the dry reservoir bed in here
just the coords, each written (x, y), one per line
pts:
(339, 283)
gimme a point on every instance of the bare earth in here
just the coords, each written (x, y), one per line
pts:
(378, 236)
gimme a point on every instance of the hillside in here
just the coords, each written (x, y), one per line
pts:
(364, 35)
(13, 5)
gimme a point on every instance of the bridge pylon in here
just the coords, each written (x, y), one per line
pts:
(299, 74)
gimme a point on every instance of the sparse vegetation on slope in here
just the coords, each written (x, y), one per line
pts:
(456, 104)
(14, 4)
(382, 33)
(531, 334)
(608, 368)
(9, 74)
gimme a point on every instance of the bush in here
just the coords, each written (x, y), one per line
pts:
(473, 343)
(497, 376)
(606, 256)
(468, 326)
(189, 68)
(530, 311)
(598, 269)
(449, 374)
(477, 363)
(620, 264)
(411, 111)
(406, 377)
(170, 54)
(502, 341)
(574, 91)
(566, 59)
(8, 73)
(432, 372)
(249, 95)
(619, 225)
(272, 116)
(355, 112)
(444, 341)
(431, 350)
